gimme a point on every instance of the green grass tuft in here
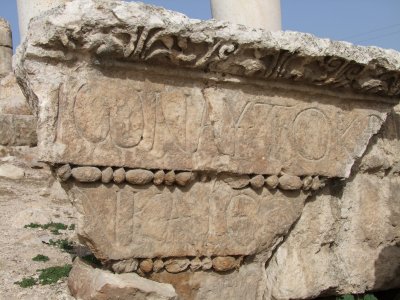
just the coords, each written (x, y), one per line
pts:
(41, 258)
(53, 227)
(26, 282)
(63, 244)
(53, 274)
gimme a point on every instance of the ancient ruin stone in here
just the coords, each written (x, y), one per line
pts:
(236, 181)
(119, 175)
(125, 266)
(146, 265)
(107, 175)
(86, 174)
(169, 178)
(87, 283)
(176, 265)
(195, 264)
(184, 178)
(158, 265)
(257, 182)
(159, 177)
(129, 86)
(206, 263)
(222, 264)
(181, 134)
(64, 172)
(288, 182)
(139, 177)
(272, 182)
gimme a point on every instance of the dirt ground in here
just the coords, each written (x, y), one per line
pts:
(30, 199)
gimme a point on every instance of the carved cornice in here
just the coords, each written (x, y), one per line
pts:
(160, 37)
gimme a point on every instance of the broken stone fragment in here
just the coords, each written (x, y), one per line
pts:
(125, 266)
(146, 266)
(290, 183)
(307, 183)
(184, 178)
(159, 177)
(86, 174)
(119, 175)
(236, 181)
(88, 283)
(176, 265)
(158, 265)
(195, 264)
(64, 172)
(257, 182)
(223, 264)
(169, 178)
(107, 175)
(206, 263)
(272, 182)
(139, 177)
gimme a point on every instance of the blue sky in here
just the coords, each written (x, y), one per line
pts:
(362, 22)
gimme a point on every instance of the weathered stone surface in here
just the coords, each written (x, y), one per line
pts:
(146, 266)
(195, 264)
(64, 172)
(246, 283)
(238, 124)
(86, 174)
(236, 181)
(139, 177)
(288, 182)
(87, 283)
(119, 175)
(11, 172)
(272, 182)
(169, 178)
(223, 264)
(184, 178)
(17, 130)
(347, 243)
(107, 175)
(125, 266)
(159, 177)
(206, 263)
(257, 182)
(207, 219)
(158, 265)
(12, 101)
(176, 265)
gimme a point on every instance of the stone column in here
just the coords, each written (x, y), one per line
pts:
(264, 14)
(27, 9)
(5, 48)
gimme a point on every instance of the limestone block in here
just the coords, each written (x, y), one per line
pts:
(254, 121)
(346, 242)
(87, 283)
(12, 101)
(246, 283)
(205, 218)
(17, 130)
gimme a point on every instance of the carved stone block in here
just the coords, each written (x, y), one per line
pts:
(203, 139)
